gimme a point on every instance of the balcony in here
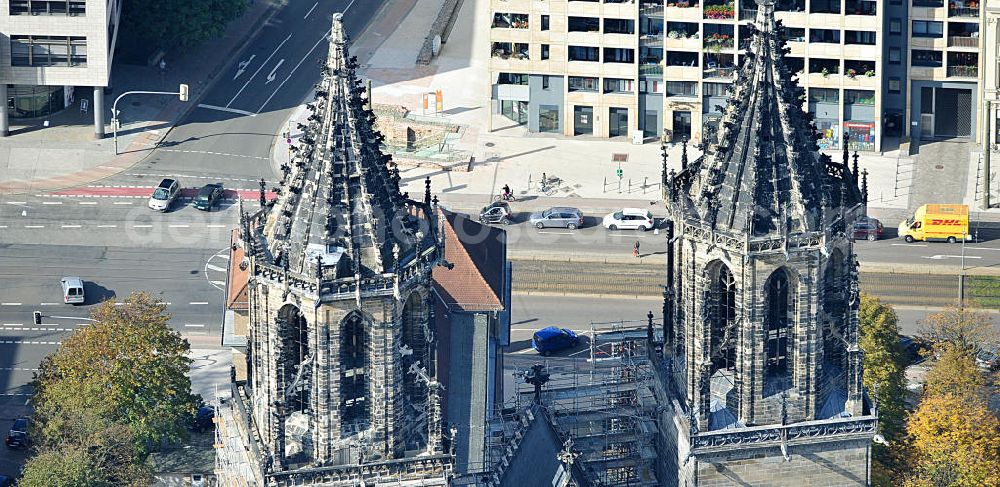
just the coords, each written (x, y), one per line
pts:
(651, 9)
(748, 13)
(651, 70)
(682, 4)
(719, 12)
(717, 42)
(723, 72)
(859, 7)
(963, 41)
(510, 21)
(928, 3)
(963, 71)
(508, 50)
(654, 39)
(963, 9)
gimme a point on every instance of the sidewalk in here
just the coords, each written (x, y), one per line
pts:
(38, 159)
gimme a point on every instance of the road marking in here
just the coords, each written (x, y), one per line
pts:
(23, 342)
(122, 203)
(555, 233)
(15, 369)
(214, 267)
(49, 304)
(52, 202)
(243, 66)
(310, 11)
(226, 257)
(142, 226)
(308, 54)
(17, 203)
(254, 75)
(908, 245)
(227, 109)
(107, 226)
(194, 325)
(70, 226)
(219, 283)
(3, 226)
(198, 302)
(271, 75)
(13, 324)
(180, 226)
(981, 248)
(940, 256)
(216, 226)
(34, 226)
(10, 304)
(87, 203)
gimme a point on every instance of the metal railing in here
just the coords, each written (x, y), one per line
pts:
(651, 9)
(928, 3)
(963, 12)
(748, 13)
(963, 71)
(648, 69)
(720, 72)
(963, 41)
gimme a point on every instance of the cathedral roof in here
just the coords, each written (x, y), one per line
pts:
(341, 212)
(764, 167)
(477, 278)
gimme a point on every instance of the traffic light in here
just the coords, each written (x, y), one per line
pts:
(37, 315)
(618, 172)
(184, 92)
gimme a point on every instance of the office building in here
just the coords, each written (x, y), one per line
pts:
(52, 49)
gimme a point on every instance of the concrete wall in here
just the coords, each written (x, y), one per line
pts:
(916, 130)
(554, 95)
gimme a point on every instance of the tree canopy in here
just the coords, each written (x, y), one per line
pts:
(114, 389)
(170, 24)
(966, 328)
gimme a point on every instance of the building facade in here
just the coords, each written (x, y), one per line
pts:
(342, 386)
(51, 50)
(763, 382)
(607, 68)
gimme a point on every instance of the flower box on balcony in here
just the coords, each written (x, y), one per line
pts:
(719, 12)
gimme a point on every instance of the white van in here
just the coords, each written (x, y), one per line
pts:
(72, 288)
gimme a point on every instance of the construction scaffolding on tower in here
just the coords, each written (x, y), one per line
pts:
(606, 406)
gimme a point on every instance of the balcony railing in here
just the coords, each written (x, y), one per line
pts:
(859, 8)
(963, 12)
(653, 9)
(963, 71)
(681, 3)
(963, 41)
(650, 69)
(716, 43)
(651, 38)
(748, 13)
(720, 72)
(928, 3)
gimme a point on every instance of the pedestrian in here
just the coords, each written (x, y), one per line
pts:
(635, 250)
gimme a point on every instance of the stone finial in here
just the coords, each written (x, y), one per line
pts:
(427, 190)
(864, 186)
(263, 199)
(684, 154)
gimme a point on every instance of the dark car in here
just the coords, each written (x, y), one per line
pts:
(867, 228)
(208, 197)
(914, 350)
(496, 212)
(202, 420)
(553, 339)
(17, 437)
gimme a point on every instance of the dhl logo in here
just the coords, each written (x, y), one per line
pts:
(946, 222)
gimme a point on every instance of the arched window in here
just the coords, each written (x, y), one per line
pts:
(353, 371)
(723, 320)
(779, 311)
(294, 353)
(415, 327)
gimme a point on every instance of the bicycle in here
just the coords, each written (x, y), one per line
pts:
(508, 197)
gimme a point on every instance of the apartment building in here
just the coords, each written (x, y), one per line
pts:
(944, 44)
(991, 71)
(51, 50)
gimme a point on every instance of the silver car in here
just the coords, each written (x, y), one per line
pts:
(559, 217)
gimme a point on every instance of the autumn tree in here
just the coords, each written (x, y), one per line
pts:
(115, 388)
(966, 328)
(884, 379)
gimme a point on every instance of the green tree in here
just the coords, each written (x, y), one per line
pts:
(70, 467)
(169, 24)
(128, 368)
(964, 327)
(885, 380)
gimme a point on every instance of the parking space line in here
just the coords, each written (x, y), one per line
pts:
(194, 325)
(70, 226)
(34, 226)
(216, 226)
(198, 302)
(52, 202)
(48, 304)
(87, 203)
(214, 268)
(122, 203)
(142, 226)
(10, 304)
(107, 226)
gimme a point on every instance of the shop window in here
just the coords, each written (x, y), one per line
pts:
(548, 118)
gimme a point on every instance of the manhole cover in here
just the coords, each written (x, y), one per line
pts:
(938, 167)
(490, 144)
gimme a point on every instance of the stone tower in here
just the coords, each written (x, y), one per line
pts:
(762, 296)
(342, 386)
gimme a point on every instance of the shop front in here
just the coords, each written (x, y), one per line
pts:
(26, 101)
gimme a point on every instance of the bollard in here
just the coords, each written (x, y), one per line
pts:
(629, 185)
(645, 179)
(604, 187)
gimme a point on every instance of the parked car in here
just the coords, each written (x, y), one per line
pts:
(164, 195)
(17, 437)
(914, 350)
(867, 228)
(628, 219)
(208, 197)
(496, 212)
(72, 289)
(989, 358)
(559, 217)
(553, 339)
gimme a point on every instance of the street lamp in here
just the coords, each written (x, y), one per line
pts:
(182, 93)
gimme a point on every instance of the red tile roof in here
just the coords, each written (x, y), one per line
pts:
(236, 284)
(478, 254)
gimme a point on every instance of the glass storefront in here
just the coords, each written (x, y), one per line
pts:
(861, 135)
(548, 118)
(34, 101)
(515, 110)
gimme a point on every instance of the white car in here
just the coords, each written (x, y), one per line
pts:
(72, 288)
(164, 195)
(628, 219)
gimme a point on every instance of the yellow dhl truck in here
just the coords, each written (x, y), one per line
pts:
(949, 223)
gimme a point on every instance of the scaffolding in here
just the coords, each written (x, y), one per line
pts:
(606, 405)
